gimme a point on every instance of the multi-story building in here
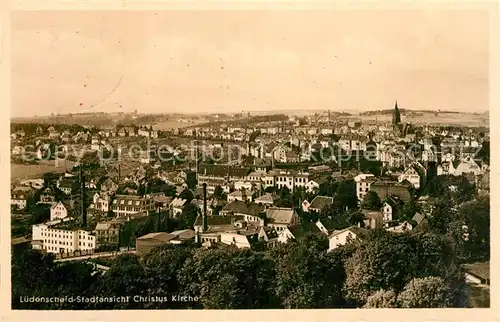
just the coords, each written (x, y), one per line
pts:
(99, 205)
(62, 236)
(363, 183)
(291, 179)
(124, 205)
(107, 235)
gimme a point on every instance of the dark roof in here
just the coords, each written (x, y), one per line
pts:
(319, 202)
(162, 237)
(300, 230)
(248, 208)
(328, 223)
(262, 162)
(270, 232)
(222, 170)
(393, 201)
(218, 220)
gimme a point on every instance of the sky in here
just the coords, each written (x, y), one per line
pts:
(230, 61)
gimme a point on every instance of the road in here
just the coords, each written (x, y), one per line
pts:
(97, 255)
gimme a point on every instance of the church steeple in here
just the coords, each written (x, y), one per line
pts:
(396, 117)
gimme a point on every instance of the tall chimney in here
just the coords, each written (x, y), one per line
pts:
(205, 219)
(82, 197)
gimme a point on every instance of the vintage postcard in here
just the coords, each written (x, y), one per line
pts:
(243, 159)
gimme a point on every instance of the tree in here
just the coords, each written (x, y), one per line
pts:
(464, 190)
(328, 188)
(356, 217)
(187, 195)
(227, 277)
(188, 216)
(409, 209)
(426, 292)
(126, 277)
(385, 261)
(36, 274)
(382, 299)
(476, 216)
(307, 276)
(333, 210)
(371, 201)
(218, 191)
(162, 265)
(441, 216)
(346, 194)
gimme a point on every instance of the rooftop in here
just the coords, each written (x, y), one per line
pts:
(319, 202)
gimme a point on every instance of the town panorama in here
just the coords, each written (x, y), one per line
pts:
(324, 209)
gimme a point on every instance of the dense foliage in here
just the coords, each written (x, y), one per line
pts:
(385, 270)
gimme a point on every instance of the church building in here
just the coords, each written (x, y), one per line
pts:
(400, 129)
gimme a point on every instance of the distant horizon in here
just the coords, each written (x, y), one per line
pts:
(229, 61)
(253, 112)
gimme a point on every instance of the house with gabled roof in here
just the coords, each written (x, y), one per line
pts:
(415, 174)
(267, 199)
(390, 207)
(297, 231)
(320, 202)
(58, 211)
(269, 235)
(242, 208)
(347, 235)
(281, 218)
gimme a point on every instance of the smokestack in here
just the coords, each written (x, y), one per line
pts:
(205, 219)
(82, 198)
(119, 174)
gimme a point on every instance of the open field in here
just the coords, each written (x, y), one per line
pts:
(452, 119)
(29, 171)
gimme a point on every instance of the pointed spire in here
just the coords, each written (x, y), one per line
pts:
(396, 116)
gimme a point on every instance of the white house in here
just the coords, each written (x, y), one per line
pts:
(390, 208)
(58, 211)
(344, 236)
(314, 184)
(100, 203)
(401, 228)
(281, 218)
(235, 238)
(467, 165)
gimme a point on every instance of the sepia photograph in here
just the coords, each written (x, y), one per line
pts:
(250, 159)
